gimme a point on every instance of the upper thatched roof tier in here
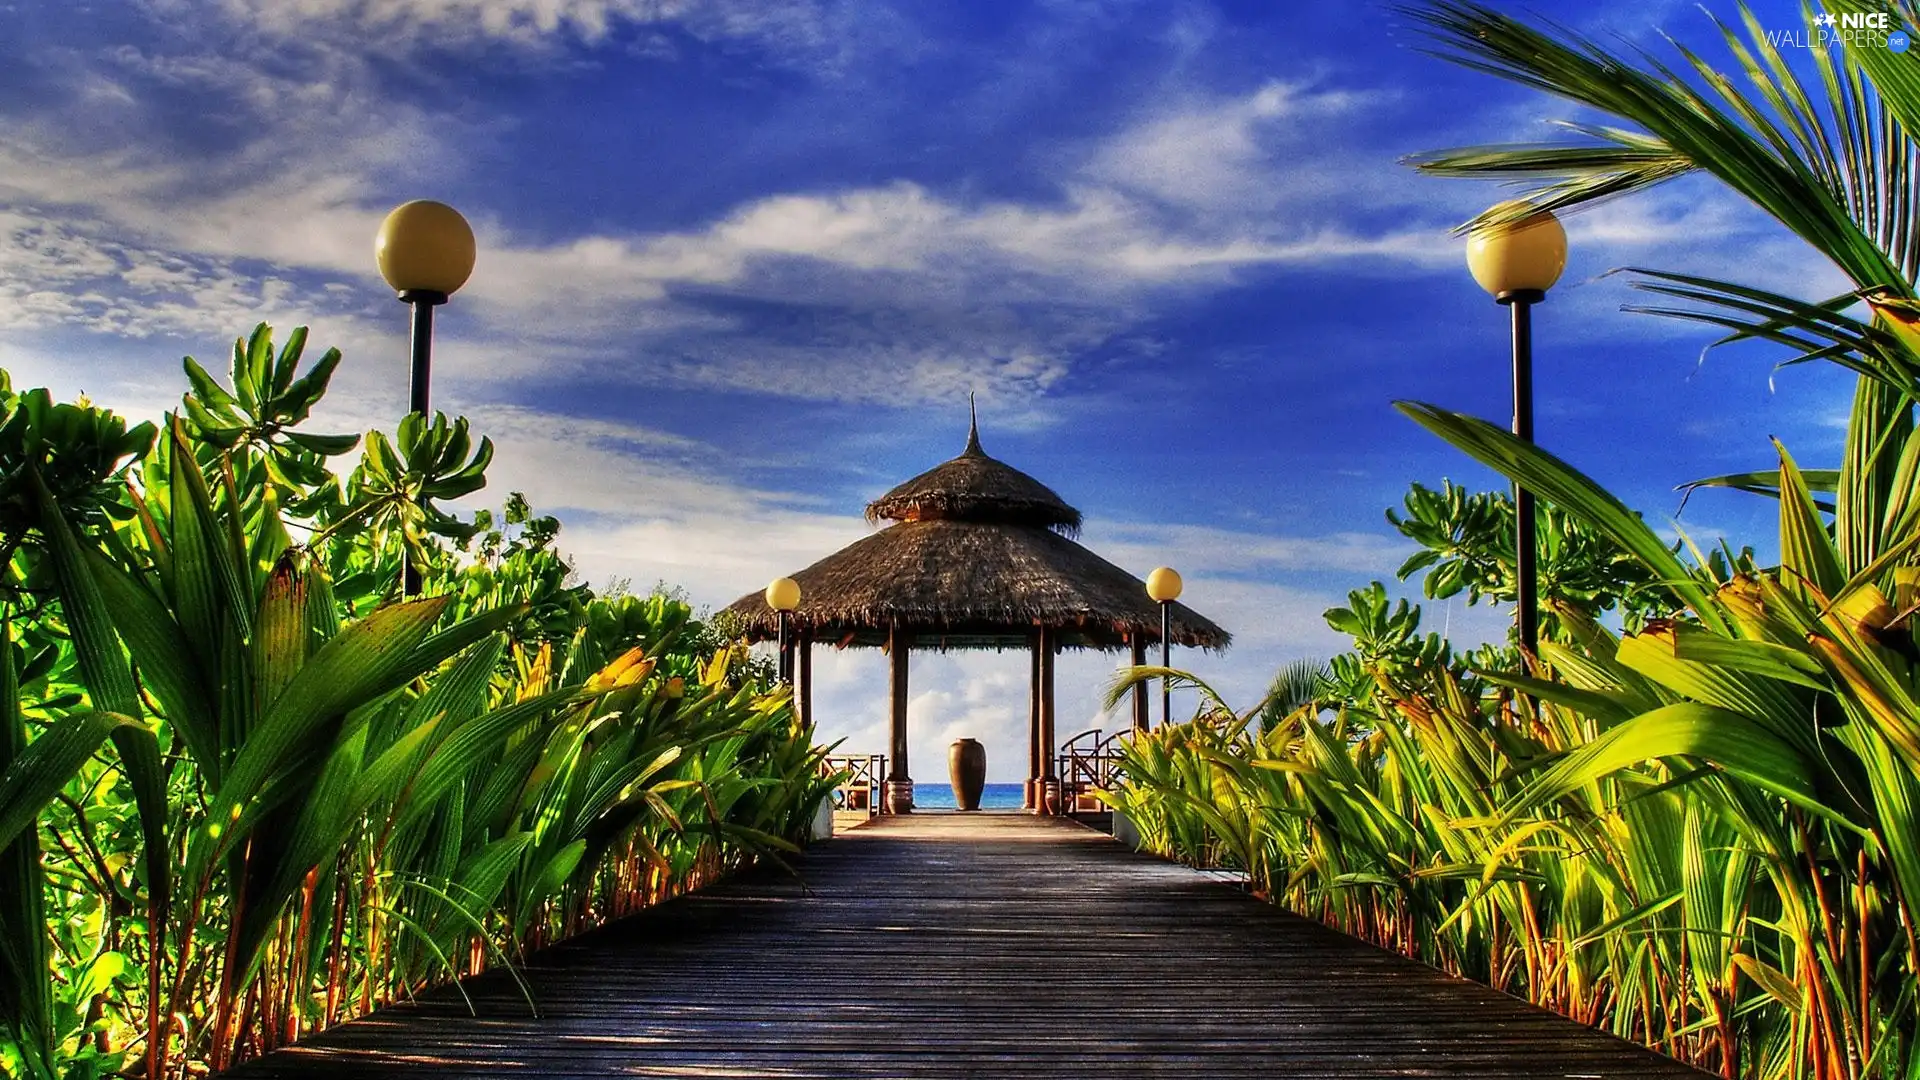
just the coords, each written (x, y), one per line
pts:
(975, 487)
(971, 584)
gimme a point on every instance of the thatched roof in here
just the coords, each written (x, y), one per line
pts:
(977, 559)
(975, 487)
(972, 584)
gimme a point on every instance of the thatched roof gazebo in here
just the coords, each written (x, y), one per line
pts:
(980, 556)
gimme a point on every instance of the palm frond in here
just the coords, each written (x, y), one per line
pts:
(1818, 164)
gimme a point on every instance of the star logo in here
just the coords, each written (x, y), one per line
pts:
(1824, 20)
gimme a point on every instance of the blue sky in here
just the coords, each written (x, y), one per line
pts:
(741, 265)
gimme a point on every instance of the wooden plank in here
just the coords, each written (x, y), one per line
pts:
(955, 945)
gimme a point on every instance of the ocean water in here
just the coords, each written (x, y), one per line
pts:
(939, 796)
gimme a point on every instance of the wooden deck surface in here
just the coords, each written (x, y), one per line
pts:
(957, 945)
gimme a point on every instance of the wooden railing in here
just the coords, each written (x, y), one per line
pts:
(1087, 762)
(861, 788)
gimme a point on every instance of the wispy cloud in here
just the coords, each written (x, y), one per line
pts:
(1240, 155)
(1238, 552)
(60, 271)
(825, 38)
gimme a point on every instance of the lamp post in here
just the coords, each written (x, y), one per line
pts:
(783, 595)
(425, 251)
(1518, 261)
(1163, 585)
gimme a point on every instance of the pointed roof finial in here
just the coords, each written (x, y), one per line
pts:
(973, 429)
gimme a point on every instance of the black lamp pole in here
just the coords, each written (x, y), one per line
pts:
(1166, 661)
(1526, 570)
(786, 658)
(422, 302)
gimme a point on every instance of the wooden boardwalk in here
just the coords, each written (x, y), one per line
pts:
(991, 945)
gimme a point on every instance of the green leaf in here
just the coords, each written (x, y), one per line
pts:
(98, 976)
(1722, 738)
(211, 394)
(364, 661)
(283, 633)
(300, 398)
(473, 744)
(222, 435)
(1773, 981)
(207, 582)
(103, 667)
(324, 445)
(1603, 707)
(347, 786)
(26, 988)
(257, 373)
(289, 361)
(49, 762)
(1752, 657)
(552, 877)
(1806, 550)
(1566, 488)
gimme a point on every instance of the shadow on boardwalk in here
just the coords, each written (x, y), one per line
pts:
(951, 945)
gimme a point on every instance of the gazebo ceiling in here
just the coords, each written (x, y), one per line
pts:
(977, 559)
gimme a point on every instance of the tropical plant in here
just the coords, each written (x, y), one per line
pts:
(269, 400)
(74, 451)
(320, 802)
(393, 491)
(1467, 546)
(1700, 835)
(1298, 685)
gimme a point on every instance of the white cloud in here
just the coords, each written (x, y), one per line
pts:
(893, 242)
(1236, 154)
(1230, 551)
(893, 292)
(58, 270)
(810, 31)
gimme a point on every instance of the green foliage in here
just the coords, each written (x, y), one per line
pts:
(516, 564)
(357, 798)
(393, 490)
(76, 450)
(1700, 835)
(1387, 635)
(269, 399)
(1467, 546)
(1302, 684)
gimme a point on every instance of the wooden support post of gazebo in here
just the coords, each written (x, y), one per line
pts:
(1030, 798)
(1049, 742)
(899, 781)
(1140, 713)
